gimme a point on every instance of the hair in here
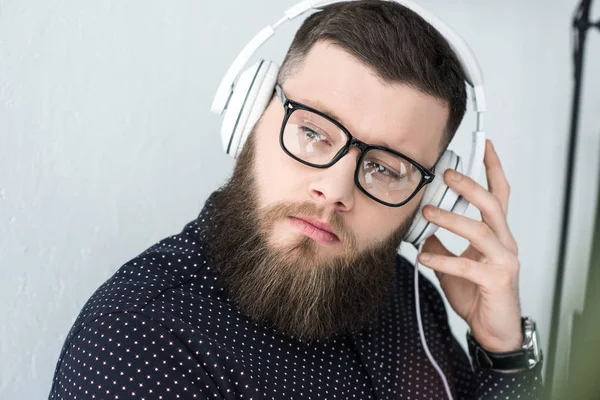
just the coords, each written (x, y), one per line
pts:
(395, 42)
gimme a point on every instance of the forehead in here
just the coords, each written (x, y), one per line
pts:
(395, 115)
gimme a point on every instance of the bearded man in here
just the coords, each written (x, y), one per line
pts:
(288, 284)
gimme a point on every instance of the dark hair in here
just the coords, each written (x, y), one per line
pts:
(395, 42)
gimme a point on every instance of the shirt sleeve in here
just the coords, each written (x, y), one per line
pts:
(494, 385)
(129, 356)
(486, 384)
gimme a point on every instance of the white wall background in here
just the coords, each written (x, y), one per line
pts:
(107, 144)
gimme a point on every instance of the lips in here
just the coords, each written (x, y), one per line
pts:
(318, 224)
(315, 229)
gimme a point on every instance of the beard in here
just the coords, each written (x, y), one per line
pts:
(289, 287)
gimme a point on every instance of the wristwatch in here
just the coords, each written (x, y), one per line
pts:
(527, 357)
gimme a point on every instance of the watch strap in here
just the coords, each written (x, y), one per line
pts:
(523, 358)
(502, 361)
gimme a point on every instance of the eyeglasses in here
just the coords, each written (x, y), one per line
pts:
(315, 139)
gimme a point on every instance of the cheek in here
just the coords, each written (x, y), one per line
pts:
(378, 222)
(375, 225)
(277, 175)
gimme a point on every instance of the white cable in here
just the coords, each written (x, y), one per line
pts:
(420, 323)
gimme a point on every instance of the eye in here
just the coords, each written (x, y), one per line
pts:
(382, 169)
(313, 135)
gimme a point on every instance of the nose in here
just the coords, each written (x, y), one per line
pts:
(334, 187)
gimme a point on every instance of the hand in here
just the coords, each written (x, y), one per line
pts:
(482, 284)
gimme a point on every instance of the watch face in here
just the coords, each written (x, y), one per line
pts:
(532, 341)
(537, 351)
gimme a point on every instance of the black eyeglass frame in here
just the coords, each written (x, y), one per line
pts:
(290, 106)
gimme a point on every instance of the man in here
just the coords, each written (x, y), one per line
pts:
(288, 284)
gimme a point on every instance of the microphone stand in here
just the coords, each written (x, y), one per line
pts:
(581, 25)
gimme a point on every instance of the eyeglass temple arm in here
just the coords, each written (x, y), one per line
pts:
(280, 93)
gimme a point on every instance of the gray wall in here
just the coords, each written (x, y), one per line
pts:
(107, 144)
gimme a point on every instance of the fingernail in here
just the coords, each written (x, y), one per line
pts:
(425, 257)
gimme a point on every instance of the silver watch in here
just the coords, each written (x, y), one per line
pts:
(527, 357)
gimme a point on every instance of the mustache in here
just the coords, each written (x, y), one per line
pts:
(283, 209)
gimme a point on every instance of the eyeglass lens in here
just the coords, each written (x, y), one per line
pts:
(317, 141)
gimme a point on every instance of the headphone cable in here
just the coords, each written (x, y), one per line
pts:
(422, 332)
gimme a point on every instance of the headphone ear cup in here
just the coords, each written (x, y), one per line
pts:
(438, 194)
(251, 95)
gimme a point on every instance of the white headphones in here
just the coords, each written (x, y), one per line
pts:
(245, 101)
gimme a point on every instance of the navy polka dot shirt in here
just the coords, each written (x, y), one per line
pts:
(162, 328)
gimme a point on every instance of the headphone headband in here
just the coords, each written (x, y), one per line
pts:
(469, 64)
(467, 59)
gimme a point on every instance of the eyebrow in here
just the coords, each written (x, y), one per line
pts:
(317, 105)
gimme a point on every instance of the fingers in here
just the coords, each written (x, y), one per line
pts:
(492, 277)
(497, 181)
(491, 208)
(434, 245)
(500, 189)
(479, 234)
(455, 266)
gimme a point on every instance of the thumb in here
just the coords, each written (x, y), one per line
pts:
(435, 246)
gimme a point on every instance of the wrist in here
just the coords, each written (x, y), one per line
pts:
(505, 345)
(526, 356)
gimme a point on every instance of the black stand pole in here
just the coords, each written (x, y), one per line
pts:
(581, 24)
